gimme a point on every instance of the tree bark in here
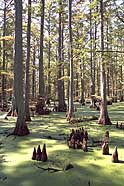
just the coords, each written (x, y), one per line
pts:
(49, 54)
(34, 73)
(27, 86)
(91, 60)
(77, 86)
(82, 101)
(61, 104)
(107, 46)
(121, 85)
(41, 69)
(104, 117)
(21, 128)
(71, 105)
(4, 57)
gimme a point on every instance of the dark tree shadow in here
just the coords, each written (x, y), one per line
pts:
(121, 161)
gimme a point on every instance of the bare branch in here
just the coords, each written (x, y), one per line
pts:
(9, 4)
(117, 13)
(108, 51)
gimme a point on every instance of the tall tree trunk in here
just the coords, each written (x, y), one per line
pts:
(112, 80)
(91, 61)
(98, 77)
(77, 86)
(108, 62)
(94, 53)
(63, 88)
(108, 78)
(21, 128)
(115, 83)
(49, 55)
(27, 86)
(4, 57)
(82, 101)
(0, 70)
(104, 117)
(41, 69)
(71, 105)
(34, 73)
(121, 84)
(61, 105)
(68, 74)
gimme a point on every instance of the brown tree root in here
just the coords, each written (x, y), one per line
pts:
(19, 131)
(28, 119)
(50, 169)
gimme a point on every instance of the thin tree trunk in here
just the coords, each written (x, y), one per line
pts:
(21, 126)
(94, 53)
(4, 57)
(33, 73)
(107, 46)
(108, 78)
(71, 105)
(27, 86)
(68, 74)
(104, 117)
(82, 101)
(77, 86)
(61, 105)
(63, 88)
(91, 61)
(98, 78)
(112, 80)
(116, 78)
(41, 69)
(49, 55)
(121, 88)
(0, 69)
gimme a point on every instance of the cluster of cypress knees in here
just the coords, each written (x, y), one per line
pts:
(105, 151)
(78, 139)
(105, 148)
(119, 126)
(40, 155)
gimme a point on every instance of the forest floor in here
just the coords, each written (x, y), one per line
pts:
(89, 168)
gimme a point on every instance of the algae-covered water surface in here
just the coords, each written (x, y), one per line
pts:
(89, 168)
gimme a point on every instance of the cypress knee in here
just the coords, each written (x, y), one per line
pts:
(105, 149)
(84, 146)
(107, 134)
(39, 153)
(121, 125)
(86, 135)
(117, 125)
(115, 155)
(44, 154)
(34, 154)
